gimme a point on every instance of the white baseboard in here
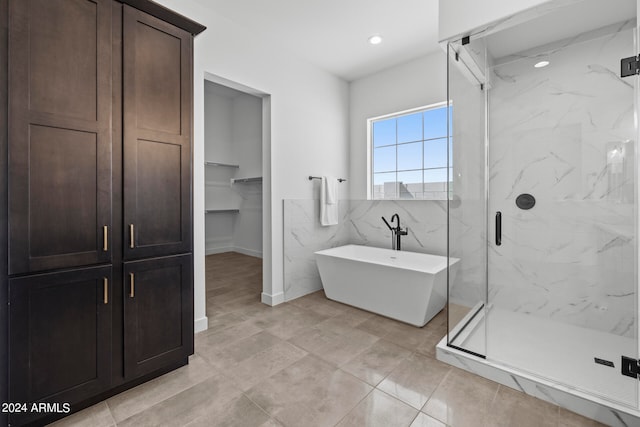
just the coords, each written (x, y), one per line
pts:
(219, 250)
(273, 299)
(201, 324)
(250, 252)
(223, 249)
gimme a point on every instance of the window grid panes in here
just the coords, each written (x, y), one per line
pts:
(409, 159)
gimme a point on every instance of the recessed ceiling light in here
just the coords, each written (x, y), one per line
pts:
(541, 64)
(375, 39)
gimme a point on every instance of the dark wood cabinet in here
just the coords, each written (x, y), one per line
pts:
(96, 160)
(157, 136)
(60, 334)
(59, 134)
(158, 321)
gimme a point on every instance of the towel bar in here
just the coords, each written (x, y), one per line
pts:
(319, 177)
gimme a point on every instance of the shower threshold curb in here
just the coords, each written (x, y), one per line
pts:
(574, 400)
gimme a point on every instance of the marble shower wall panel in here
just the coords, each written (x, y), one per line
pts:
(554, 133)
(303, 235)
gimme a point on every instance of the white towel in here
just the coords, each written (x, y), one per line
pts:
(329, 201)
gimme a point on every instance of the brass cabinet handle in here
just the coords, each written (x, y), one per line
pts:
(132, 285)
(105, 290)
(105, 238)
(131, 237)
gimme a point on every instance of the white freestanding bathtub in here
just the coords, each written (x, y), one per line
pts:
(406, 286)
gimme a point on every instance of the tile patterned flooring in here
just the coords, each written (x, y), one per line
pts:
(314, 362)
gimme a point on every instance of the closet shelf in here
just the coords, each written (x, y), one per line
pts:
(222, 210)
(252, 179)
(227, 165)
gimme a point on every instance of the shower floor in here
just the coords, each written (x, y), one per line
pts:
(558, 352)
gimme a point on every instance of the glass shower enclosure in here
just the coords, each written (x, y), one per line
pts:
(543, 196)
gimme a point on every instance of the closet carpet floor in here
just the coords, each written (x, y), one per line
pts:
(313, 362)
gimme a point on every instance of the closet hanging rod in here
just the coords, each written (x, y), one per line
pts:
(319, 177)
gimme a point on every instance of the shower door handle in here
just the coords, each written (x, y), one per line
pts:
(498, 228)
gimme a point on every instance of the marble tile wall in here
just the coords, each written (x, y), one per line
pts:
(565, 134)
(426, 220)
(303, 235)
(360, 223)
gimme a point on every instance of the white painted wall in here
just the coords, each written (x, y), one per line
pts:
(247, 147)
(218, 147)
(217, 127)
(233, 135)
(414, 84)
(459, 17)
(246, 134)
(309, 128)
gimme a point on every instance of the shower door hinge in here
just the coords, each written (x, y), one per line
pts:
(630, 66)
(629, 367)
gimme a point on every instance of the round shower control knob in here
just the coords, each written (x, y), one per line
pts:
(525, 201)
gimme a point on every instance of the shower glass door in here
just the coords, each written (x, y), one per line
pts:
(562, 198)
(467, 205)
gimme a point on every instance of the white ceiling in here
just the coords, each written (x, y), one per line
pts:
(333, 33)
(564, 22)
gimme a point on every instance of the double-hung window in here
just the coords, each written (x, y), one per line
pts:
(409, 152)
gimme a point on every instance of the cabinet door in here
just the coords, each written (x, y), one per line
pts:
(60, 336)
(59, 133)
(157, 136)
(158, 313)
